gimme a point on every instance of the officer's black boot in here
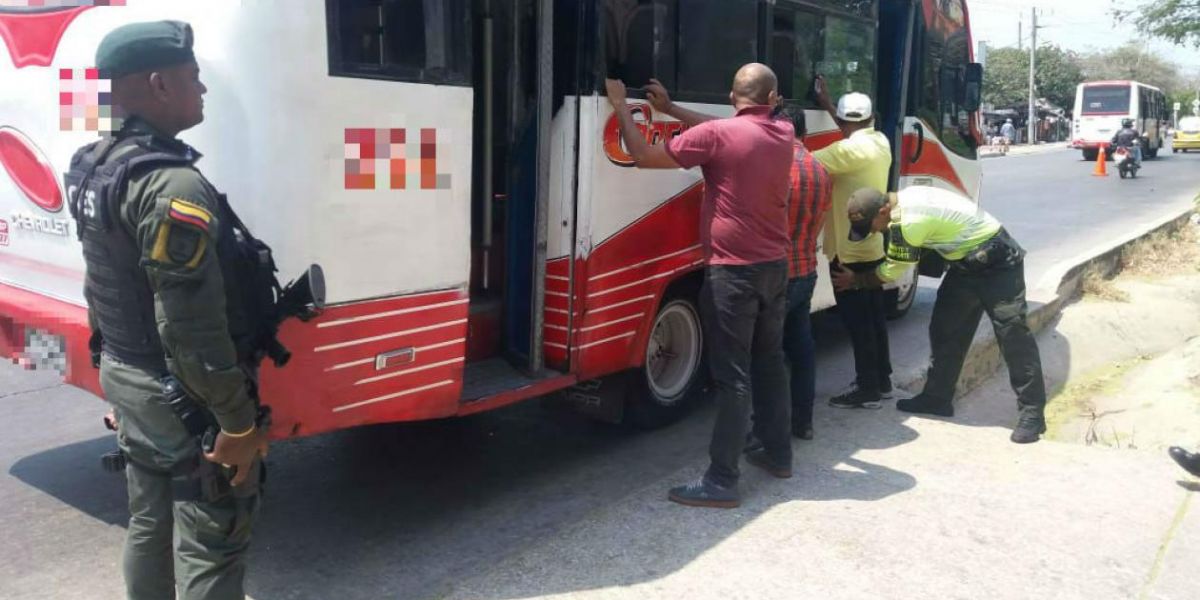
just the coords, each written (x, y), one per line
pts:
(1030, 426)
(1188, 460)
(926, 405)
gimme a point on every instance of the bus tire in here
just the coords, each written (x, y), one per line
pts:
(674, 369)
(1090, 154)
(899, 301)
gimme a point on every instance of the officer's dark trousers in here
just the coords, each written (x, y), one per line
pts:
(743, 309)
(962, 299)
(208, 562)
(864, 313)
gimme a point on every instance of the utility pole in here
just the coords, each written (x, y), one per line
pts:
(1032, 120)
(1020, 34)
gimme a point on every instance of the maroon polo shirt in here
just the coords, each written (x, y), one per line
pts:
(747, 162)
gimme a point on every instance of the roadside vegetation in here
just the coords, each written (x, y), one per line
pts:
(1162, 254)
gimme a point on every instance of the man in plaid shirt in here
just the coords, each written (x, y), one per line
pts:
(808, 205)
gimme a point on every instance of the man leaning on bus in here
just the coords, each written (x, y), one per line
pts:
(746, 161)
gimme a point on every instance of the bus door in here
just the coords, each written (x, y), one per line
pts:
(897, 28)
(513, 89)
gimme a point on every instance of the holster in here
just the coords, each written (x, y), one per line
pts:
(999, 253)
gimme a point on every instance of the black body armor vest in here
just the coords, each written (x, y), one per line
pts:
(116, 286)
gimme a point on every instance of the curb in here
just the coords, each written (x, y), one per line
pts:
(1025, 150)
(1047, 301)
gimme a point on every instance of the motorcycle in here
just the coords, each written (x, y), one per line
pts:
(1126, 162)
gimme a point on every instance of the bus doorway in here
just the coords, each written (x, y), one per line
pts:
(508, 226)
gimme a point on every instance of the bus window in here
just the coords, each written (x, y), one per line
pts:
(805, 43)
(632, 31)
(716, 37)
(795, 50)
(848, 60)
(858, 8)
(1106, 100)
(942, 56)
(425, 41)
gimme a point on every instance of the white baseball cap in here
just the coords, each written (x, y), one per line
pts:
(854, 107)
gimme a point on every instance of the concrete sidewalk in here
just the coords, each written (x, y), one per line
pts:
(890, 507)
(1023, 149)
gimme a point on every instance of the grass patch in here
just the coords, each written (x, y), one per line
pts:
(1074, 402)
(1161, 254)
(1097, 285)
(1164, 253)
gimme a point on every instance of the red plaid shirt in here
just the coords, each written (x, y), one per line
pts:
(811, 197)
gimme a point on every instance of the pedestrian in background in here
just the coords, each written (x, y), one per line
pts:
(746, 161)
(862, 160)
(1009, 133)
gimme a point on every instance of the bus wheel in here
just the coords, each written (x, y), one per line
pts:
(900, 300)
(673, 368)
(1090, 154)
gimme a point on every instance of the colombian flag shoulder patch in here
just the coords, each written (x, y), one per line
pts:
(188, 213)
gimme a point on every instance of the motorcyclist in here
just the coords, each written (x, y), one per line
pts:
(1128, 137)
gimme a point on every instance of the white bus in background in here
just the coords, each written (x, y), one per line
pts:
(1100, 106)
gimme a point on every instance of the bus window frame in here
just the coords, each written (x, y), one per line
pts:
(459, 77)
(823, 11)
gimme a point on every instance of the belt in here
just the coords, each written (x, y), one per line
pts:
(999, 252)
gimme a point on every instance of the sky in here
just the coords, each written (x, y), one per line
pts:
(1080, 25)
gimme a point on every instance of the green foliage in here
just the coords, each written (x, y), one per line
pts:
(1130, 61)
(1006, 80)
(1177, 21)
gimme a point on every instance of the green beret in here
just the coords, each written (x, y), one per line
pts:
(139, 47)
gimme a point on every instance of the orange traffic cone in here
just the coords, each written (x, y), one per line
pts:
(1101, 162)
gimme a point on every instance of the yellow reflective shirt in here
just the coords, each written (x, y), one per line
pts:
(862, 160)
(940, 220)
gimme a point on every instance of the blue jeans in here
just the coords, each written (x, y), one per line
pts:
(800, 348)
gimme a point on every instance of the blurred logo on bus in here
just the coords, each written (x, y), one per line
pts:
(30, 170)
(659, 132)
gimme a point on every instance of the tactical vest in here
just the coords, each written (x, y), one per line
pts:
(116, 286)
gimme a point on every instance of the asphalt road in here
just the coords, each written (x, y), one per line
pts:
(406, 511)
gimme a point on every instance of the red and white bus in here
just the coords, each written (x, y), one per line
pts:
(456, 171)
(1100, 106)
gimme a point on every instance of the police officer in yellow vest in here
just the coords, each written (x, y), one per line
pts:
(986, 275)
(175, 323)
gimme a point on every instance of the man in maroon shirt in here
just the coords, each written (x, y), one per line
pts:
(746, 162)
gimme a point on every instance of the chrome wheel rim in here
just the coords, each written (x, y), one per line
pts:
(673, 352)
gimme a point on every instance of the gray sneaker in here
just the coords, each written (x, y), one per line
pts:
(706, 495)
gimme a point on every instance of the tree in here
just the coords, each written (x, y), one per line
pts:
(1177, 21)
(1130, 61)
(1059, 72)
(1006, 80)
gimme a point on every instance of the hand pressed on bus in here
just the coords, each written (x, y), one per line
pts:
(239, 452)
(644, 155)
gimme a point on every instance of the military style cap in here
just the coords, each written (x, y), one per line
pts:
(139, 47)
(863, 206)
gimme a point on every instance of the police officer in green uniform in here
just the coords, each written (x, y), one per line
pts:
(172, 329)
(986, 275)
